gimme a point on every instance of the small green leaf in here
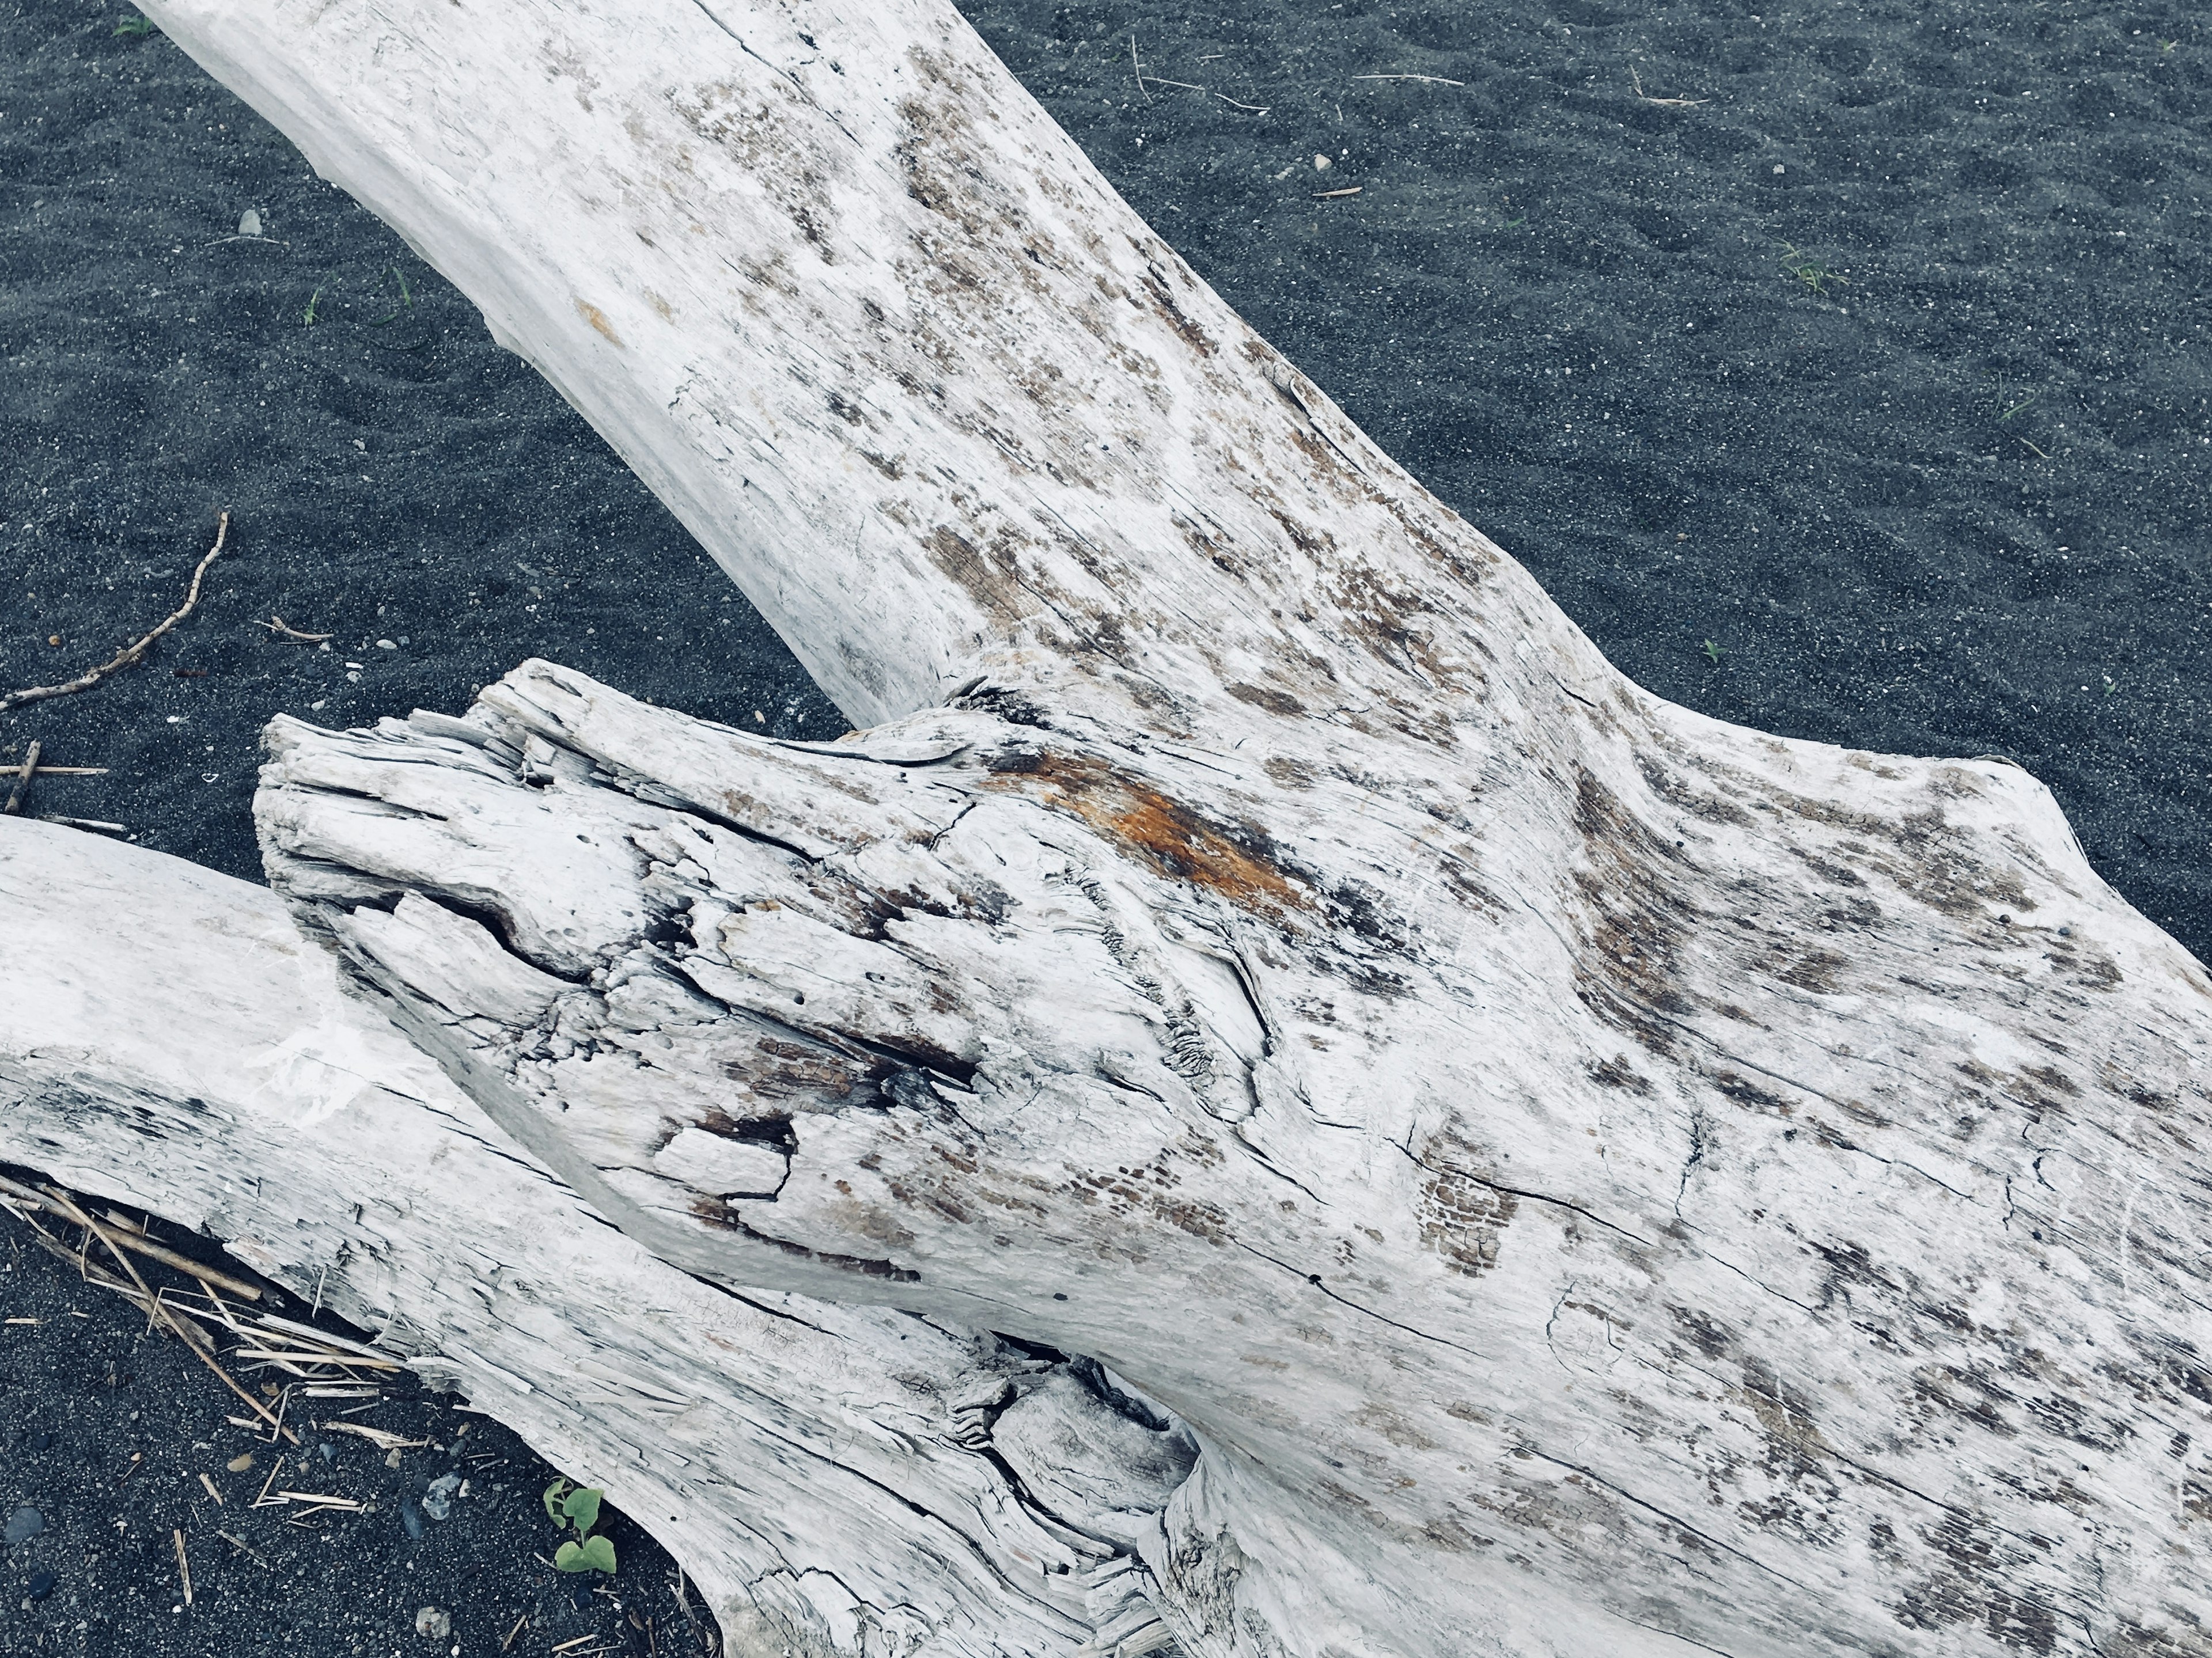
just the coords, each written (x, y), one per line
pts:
(593, 1554)
(135, 26)
(1713, 651)
(583, 1508)
(554, 1493)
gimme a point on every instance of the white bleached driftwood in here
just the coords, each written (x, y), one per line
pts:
(827, 1475)
(1591, 1179)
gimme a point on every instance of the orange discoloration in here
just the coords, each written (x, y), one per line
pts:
(598, 318)
(1163, 834)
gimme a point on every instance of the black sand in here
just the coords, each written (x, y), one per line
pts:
(105, 1432)
(1882, 367)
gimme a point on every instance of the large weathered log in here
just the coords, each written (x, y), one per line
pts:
(1592, 1178)
(827, 1475)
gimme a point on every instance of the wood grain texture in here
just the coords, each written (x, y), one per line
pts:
(1591, 1180)
(827, 1475)
(1771, 1228)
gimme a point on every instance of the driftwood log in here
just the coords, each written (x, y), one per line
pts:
(1269, 1103)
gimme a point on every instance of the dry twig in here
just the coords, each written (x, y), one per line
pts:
(159, 1308)
(23, 781)
(244, 1547)
(131, 1237)
(129, 654)
(1433, 80)
(283, 630)
(376, 1436)
(1664, 103)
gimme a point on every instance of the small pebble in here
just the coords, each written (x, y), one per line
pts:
(410, 1520)
(438, 1501)
(26, 1522)
(40, 1439)
(41, 1582)
(249, 223)
(330, 1451)
(433, 1623)
(386, 644)
(239, 1464)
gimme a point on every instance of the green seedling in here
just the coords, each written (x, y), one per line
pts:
(2111, 684)
(568, 1507)
(313, 300)
(1813, 273)
(406, 300)
(1712, 652)
(135, 26)
(2008, 410)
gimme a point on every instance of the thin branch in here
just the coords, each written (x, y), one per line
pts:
(130, 654)
(23, 781)
(1636, 80)
(1433, 80)
(283, 630)
(1138, 69)
(130, 1239)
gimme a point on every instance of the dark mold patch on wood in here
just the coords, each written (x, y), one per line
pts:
(1462, 1217)
(1629, 972)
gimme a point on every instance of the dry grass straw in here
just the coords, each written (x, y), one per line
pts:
(321, 1365)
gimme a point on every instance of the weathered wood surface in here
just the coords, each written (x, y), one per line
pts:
(1593, 1179)
(828, 1476)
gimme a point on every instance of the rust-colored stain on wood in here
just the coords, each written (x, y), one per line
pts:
(1169, 836)
(598, 318)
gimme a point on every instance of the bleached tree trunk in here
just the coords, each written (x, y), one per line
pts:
(826, 1474)
(1593, 1180)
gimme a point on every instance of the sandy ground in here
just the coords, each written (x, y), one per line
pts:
(1840, 368)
